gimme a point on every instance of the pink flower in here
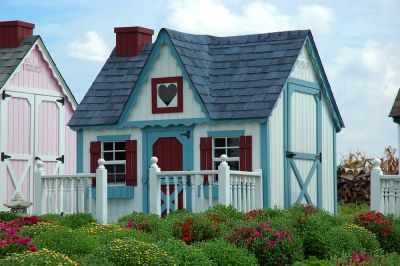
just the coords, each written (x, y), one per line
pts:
(250, 230)
(257, 234)
(33, 248)
(129, 225)
(24, 241)
(272, 244)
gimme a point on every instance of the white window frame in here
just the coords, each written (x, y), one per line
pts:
(114, 162)
(230, 159)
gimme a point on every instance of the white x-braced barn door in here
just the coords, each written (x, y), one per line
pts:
(303, 176)
(31, 126)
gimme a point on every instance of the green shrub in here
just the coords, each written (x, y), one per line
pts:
(185, 254)
(223, 253)
(365, 237)
(222, 214)
(41, 257)
(95, 229)
(94, 260)
(345, 243)
(270, 246)
(389, 259)
(77, 220)
(66, 241)
(129, 251)
(54, 218)
(39, 228)
(106, 237)
(312, 261)
(8, 216)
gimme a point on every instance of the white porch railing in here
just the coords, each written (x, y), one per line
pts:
(67, 194)
(385, 191)
(242, 190)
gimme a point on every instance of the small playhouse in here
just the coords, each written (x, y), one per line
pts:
(35, 106)
(263, 100)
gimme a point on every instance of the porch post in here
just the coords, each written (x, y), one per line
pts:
(376, 187)
(154, 187)
(224, 182)
(101, 193)
(39, 193)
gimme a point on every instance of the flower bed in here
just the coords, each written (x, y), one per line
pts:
(302, 235)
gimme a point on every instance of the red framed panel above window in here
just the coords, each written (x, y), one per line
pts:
(167, 95)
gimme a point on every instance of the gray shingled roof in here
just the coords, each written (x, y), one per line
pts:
(395, 112)
(236, 77)
(11, 57)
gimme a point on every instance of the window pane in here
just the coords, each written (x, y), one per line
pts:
(233, 142)
(233, 152)
(120, 168)
(120, 178)
(216, 164)
(219, 142)
(218, 152)
(108, 146)
(234, 165)
(119, 145)
(111, 178)
(120, 156)
(108, 156)
(110, 168)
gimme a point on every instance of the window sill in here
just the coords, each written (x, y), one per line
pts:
(117, 192)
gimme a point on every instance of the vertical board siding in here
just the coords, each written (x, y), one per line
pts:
(303, 68)
(327, 158)
(48, 128)
(164, 66)
(70, 142)
(35, 73)
(276, 138)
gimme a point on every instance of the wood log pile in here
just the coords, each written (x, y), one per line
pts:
(354, 171)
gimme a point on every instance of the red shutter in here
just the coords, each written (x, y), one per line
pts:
(206, 155)
(245, 153)
(95, 153)
(131, 163)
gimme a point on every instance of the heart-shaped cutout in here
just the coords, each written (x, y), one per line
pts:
(167, 94)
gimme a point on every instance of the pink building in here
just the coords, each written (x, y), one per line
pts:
(35, 106)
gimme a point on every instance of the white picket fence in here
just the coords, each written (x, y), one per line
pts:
(385, 191)
(242, 190)
(68, 194)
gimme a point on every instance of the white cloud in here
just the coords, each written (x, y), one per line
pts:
(213, 17)
(93, 47)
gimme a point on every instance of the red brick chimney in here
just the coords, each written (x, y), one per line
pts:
(130, 40)
(13, 32)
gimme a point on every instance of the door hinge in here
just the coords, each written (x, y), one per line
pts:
(319, 157)
(4, 156)
(62, 100)
(61, 159)
(187, 134)
(4, 95)
(290, 154)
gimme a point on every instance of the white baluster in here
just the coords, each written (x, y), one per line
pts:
(61, 195)
(175, 178)
(244, 194)
(235, 191)
(184, 191)
(72, 206)
(193, 182)
(89, 197)
(240, 199)
(56, 195)
(391, 197)
(81, 195)
(248, 193)
(201, 193)
(397, 198)
(48, 202)
(167, 193)
(210, 186)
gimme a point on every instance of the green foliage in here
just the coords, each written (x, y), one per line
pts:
(338, 236)
(77, 220)
(312, 261)
(184, 254)
(8, 216)
(65, 240)
(365, 237)
(41, 257)
(54, 218)
(390, 259)
(37, 229)
(130, 251)
(222, 214)
(223, 253)
(106, 237)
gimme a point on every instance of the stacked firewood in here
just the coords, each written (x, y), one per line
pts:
(354, 175)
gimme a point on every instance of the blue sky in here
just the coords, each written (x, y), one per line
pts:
(358, 42)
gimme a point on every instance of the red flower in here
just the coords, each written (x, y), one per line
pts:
(272, 244)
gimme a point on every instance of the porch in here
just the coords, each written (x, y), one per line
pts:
(168, 191)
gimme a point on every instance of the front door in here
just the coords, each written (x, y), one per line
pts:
(303, 145)
(173, 150)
